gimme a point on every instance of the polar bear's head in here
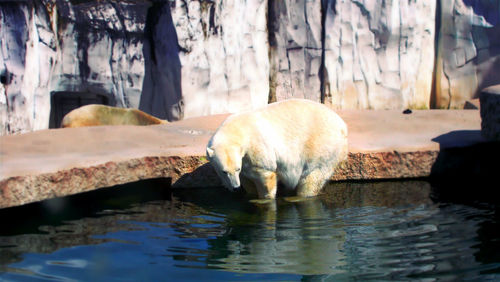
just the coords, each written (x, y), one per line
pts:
(227, 162)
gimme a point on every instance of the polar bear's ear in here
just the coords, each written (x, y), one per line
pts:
(210, 152)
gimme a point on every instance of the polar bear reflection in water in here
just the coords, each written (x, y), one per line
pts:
(318, 235)
(297, 143)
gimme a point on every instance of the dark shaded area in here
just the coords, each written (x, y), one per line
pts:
(6, 77)
(29, 218)
(327, 6)
(201, 176)
(466, 173)
(272, 29)
(64, 102)
(490, 10)
(469, 176)
(162, 91)
(437, 32)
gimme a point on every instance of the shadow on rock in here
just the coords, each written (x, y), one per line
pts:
(466, 168)
(162, 92)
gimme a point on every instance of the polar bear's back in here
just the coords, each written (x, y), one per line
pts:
(301, 126)
(290, 135)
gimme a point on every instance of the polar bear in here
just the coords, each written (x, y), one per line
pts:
(95, 115)
(296, 142)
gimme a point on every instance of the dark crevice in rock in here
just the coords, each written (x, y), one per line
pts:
(434, 86)
(272, 27)
(162, 88)
(323, 72)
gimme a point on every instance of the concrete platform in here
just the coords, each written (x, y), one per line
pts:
(55, 163)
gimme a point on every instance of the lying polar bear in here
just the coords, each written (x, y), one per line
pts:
(296, 142)
(95, 115)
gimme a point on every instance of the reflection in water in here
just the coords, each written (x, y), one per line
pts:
(384, 230)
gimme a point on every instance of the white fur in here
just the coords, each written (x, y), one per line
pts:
(298, 142)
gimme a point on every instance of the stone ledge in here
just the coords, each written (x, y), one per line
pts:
(55, 163)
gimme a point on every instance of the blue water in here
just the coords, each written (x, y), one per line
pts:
(365, 231)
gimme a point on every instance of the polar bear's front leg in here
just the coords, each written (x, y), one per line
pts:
(266, 184)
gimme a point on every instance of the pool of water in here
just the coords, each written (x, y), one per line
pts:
(380, 231)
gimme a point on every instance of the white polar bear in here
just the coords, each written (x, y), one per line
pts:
(296, 142)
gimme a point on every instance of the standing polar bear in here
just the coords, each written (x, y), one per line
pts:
(296, 142)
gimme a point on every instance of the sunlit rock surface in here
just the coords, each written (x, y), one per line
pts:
(223, 54)
(379, 54)
(178, 59)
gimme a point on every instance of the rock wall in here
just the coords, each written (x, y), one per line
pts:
(295, 41)
(176, 59)
(468, 47)
(223, 54)
(51, 46)
(27, 58)
(100, 49)
(379, 54)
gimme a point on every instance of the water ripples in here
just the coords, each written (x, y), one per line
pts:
(318, 239)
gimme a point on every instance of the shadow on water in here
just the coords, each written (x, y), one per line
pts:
(29, 218)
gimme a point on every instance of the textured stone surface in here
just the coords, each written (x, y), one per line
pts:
(100, 49)
(379, 54)
(468, 51)
(295, 45)
(51, 46)
(490, 112)
(27, 59)
(47, 164)
(224, 55)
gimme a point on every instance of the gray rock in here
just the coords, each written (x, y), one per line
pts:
(379, 55)
(490, 112)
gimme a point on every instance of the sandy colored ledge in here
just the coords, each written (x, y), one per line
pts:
(54, 163)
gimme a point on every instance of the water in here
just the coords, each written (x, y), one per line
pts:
(366, 231)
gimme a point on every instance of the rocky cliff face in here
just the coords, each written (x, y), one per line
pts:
(68, 47)
(27, 58)
(295, 40)
(177, 59)
(223, 55)
(379, 54)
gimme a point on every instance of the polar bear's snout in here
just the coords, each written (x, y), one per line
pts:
(233, 180)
